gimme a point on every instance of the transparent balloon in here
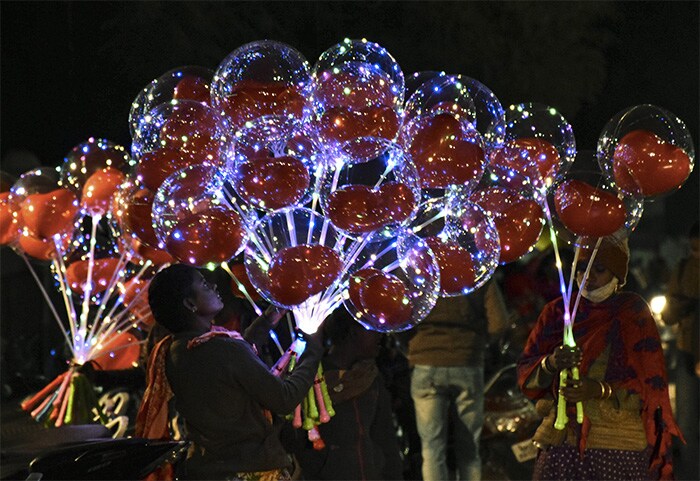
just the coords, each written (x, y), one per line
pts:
(193, 219)
(293, 258)
(447, 151)
(273, 163)
(442, 94)
(134, 225)
(464, 240)
(189, 82)
(372, 188)
(180, 133)
(47, 215)
(358, 92)
(539, 147)
(489, 111)
(647, 151)
(93, 169)
(260, 79)
(393, 283)
(518, 218)
(588, 206)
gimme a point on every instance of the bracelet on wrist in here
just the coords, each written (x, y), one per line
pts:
(545, 366)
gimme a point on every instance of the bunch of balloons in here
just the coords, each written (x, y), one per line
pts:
(67, 217)
(347, 183)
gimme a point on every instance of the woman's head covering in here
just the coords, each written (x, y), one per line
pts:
(614, 255)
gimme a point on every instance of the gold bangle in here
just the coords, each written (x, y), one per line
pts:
(545, 367)
(610, 390)
(602, 390)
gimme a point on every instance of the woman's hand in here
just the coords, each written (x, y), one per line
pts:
(564, 357)
(581, 390)
(273, 314)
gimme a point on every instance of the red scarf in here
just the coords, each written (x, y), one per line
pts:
(636, 361)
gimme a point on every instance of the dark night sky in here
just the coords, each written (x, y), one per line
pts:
(71, 69)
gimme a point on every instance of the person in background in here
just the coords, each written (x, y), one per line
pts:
(683, 309)
(360, 440)
(227, 396)
(447, 351)
(628, 424)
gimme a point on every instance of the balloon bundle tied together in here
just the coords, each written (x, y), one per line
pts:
(67, 216)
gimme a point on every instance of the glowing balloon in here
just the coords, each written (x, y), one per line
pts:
(447, 151)
(518, 219)
(358, 92)
(46, 215)
(377, 190)
(646, 150)
(88, 158)
(393, 283)
(187, 126)
(192, 219)
(291, 256)
(588, 205)
(182, 83)
(539, 147)
(273, 162)
(463, 238)
(298, 272)
(260, 79)
(99, 190)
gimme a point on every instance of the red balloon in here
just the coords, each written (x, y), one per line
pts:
(536, 159)
(48, 214)
(9, 220)
(100, 188)
(588, 211)
(156, 166)
(251, 99)
(442, 154)
(239, 271)
(455, 263)
(121, 350)
(193, 130)
(298, 272)
(210, 235)
(135, 299)
(356, 282)
(359, 209)
(384, 301)
(192, 87)
(341, 124)
(273, 182)
(40, 248)
(103, 271)
(518, 220)
(136, 216)
(156, 256)
(644, 163)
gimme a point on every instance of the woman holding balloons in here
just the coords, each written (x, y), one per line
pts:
(627, 431)
(225, 393)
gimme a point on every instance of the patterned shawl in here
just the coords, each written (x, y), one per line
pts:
(636, 361)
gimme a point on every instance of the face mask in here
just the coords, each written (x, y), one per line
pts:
(600, 294)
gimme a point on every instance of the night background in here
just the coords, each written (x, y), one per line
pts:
(70, 71)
